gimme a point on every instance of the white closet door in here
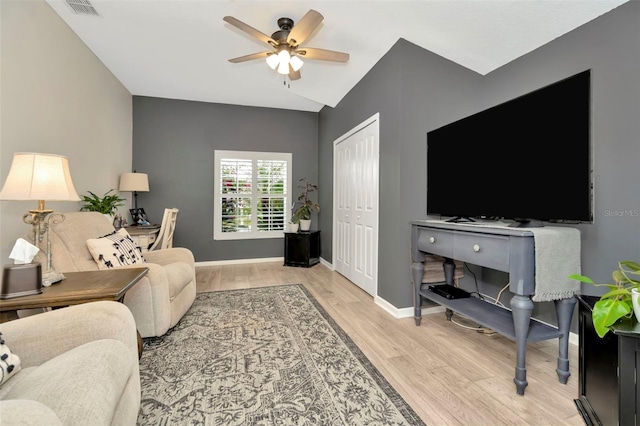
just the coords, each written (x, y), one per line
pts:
(356, 205)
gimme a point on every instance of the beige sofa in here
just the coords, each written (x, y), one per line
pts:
(159, 300)
(78, 366)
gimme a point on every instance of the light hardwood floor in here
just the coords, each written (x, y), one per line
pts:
(448, 374)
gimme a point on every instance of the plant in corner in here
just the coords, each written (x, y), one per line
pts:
(107, 204)
(618, 302)
(305, 205)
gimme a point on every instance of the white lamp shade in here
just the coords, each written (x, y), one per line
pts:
(35, 176)
(272, 61)
(284, 57)
(296, 63)
(134, 182)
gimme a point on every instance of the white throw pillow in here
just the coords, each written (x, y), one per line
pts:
(115, 250)
(9, 363)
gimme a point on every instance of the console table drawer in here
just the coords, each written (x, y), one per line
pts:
(436, 242)
(490, 251)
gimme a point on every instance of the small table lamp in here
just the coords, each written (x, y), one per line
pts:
(40, 177)
(134, 182)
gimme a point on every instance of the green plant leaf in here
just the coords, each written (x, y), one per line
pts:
(581, 278)
(606, 312)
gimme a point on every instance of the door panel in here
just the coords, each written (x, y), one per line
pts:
(356, 201)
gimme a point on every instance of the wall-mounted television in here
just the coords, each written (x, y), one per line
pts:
(527, 160)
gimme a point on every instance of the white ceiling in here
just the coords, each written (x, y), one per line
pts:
(179, 49)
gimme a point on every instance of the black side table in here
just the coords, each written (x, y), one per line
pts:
(608, 370)
(301, 248)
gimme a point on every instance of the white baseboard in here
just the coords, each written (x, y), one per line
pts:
(258, 260)
(327, 264)
(240, 261)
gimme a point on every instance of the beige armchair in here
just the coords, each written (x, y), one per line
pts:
(78, 366)
(159, 300)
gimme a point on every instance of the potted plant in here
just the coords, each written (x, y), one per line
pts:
(305, 205)
(621, 301)
(107, 204)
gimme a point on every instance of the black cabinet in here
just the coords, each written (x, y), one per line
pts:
(301, 248)
(607, 370)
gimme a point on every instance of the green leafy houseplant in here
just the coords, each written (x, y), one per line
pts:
(617, 302)
(304, 203)
(107, 204)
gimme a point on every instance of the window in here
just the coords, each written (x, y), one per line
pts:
(252, 192)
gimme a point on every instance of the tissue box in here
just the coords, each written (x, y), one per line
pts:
(21, 280)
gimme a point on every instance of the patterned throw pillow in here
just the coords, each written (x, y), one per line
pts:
(9, 363)
(115, 250)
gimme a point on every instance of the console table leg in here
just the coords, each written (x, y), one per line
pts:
(564, 313)
(521, 307)
(417, 269)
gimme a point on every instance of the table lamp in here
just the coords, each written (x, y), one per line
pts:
(40, 177)
(134, 182)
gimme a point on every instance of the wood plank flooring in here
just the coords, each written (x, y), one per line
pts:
(449, 375)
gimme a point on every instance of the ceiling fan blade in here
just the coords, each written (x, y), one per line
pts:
(294, 75)
(250, 57)
(322, 54)
(305, 26)
(249, 30)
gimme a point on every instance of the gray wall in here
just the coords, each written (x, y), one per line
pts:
(174, 142)
(425, 91)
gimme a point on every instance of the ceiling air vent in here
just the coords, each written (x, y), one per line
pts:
(82, 7)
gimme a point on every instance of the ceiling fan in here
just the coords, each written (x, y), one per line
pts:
(286, 52)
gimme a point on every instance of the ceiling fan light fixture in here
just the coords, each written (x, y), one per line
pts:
(296, 63)
(273, 61)
(284, 57)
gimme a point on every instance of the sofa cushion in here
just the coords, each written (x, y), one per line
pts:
(82, 386)
(9, 362)
(115, 250)
(179, 274)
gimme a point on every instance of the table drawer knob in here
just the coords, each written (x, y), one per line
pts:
(432, 240)
(476, 248)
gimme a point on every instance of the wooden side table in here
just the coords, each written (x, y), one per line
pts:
(301, 248)
(77, 288)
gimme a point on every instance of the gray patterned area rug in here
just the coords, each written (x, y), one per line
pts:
(263, 356)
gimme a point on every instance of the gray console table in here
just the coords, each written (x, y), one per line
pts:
(510, 250)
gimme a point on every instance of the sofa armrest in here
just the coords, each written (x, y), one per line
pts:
(25, 412)
(39, 338)
(171, 255)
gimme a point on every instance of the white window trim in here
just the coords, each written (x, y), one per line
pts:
(253, 156)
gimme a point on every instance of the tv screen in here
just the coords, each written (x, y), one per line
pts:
(526, 159)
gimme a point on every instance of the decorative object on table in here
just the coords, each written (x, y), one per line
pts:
(621, 301)
(139, 216)
(134, 182)
(40, 177)
(305, 205)
(293, 225)
(21, 280)
(292, 362)
(119, 221)
(107, 204)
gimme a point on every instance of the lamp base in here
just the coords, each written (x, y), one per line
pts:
(51, 277)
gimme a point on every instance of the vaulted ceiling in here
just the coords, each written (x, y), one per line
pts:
(180, 49)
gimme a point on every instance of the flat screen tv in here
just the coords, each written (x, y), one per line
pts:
(527, 160)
